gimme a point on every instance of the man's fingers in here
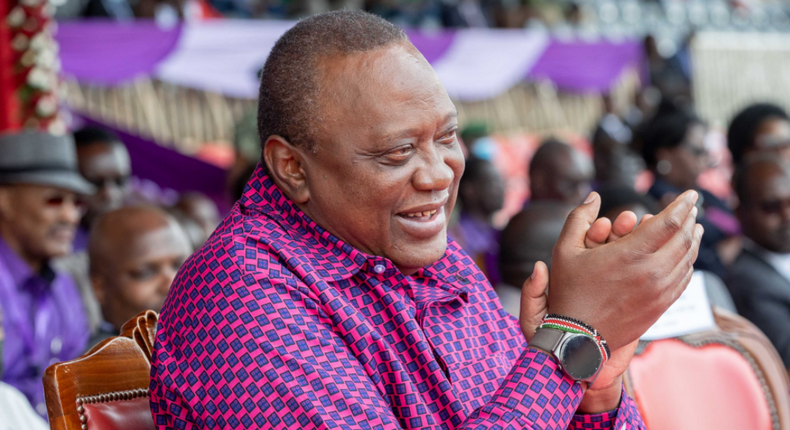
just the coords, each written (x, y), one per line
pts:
(680, 286)
(599, 231)
(656, 231)
(679, 244)
(686, 263)
(645, 217)
(534, 300)
(579, 221)
(624, 224)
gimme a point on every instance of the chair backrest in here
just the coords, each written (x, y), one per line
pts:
(107, 387)
(727, 378)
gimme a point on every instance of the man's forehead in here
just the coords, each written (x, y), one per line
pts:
(382, 79)
(770, 180)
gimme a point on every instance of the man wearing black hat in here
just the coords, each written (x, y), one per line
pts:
(40, 206)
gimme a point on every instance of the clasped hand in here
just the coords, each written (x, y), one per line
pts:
(617, 277)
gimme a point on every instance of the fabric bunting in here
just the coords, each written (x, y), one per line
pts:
(225, 56)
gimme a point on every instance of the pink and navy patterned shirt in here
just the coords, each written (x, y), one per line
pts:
(275, 323)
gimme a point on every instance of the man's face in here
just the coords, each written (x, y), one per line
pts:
(689, 159)
(766, 215)
(138, 276)
(107, 166)
(40, 221)
(385, 171)
(570, 180)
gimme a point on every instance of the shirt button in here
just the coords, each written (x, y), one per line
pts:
(41, 408)
(379, 268)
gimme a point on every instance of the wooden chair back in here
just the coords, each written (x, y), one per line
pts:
(107, 387)
(729, 377)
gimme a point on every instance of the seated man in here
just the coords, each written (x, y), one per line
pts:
(104, 161)
(330, 297)
(759, 280)
(40, 206)
(559, 172)
(135, 253)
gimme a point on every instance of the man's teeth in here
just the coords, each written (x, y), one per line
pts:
(419, 214)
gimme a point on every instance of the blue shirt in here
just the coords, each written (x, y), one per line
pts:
(44, 322)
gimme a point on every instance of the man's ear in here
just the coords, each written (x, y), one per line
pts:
(97, 283)
(284, 162)
(6, 202)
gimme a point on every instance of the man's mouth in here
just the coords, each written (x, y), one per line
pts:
(419, 215)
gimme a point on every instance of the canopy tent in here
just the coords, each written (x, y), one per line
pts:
(224, 56)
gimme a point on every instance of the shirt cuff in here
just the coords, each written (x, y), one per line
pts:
(539, 391)
(625, 417)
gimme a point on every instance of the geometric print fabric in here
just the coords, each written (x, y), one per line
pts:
(275, 323)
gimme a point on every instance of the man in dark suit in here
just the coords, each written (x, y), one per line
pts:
(759, 280)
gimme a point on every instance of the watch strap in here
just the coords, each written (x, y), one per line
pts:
(546, 339)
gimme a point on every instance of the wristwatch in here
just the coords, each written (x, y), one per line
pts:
(579, 355)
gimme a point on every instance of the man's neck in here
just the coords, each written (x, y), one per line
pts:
(35, 263)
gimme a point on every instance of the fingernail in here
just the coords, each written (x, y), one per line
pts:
(590, 198)
(694, 211)
(693, 196)
(532, 276)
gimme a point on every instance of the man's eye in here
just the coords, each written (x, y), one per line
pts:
(400, 154)
(143, 273)
(448, 136)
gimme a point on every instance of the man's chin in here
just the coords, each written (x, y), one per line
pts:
(414, 256)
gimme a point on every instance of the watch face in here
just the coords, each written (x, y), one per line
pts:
(581, 357)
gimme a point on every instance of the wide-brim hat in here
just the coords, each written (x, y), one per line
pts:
(38, 158)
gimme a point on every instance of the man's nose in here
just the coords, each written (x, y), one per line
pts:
(70, 211)
(111, 192)
(435, 174)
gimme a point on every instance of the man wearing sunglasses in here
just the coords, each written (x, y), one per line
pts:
(103, 160)
(41, 202)
(760, 277)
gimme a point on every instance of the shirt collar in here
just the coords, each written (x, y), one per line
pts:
(780, 262)
(262, 195)
(19, 270)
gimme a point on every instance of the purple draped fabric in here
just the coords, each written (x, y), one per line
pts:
(585, 67)
(108, 52)
(171, 169)
(432, 45)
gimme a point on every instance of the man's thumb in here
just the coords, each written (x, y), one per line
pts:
(534, 300)
(579, 221)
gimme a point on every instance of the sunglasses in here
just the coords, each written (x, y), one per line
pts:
(60, 200)
(773, 207)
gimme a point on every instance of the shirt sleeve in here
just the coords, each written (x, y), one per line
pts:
(538, 395)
